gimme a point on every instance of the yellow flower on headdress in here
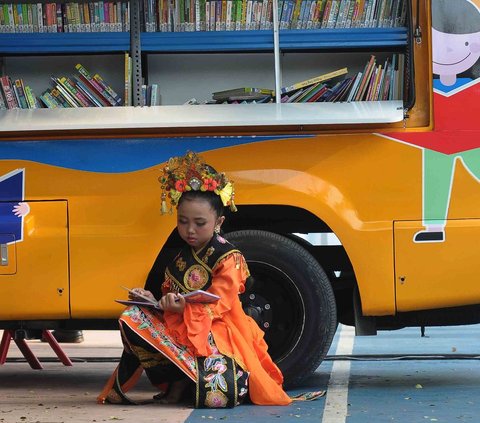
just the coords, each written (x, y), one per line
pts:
(175, 196)
(227, 196)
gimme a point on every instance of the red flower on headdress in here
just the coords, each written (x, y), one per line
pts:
(181, 185)
(210, 184)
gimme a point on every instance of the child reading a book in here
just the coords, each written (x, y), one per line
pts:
(214, 347)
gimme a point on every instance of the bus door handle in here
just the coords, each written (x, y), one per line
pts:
(3, 255)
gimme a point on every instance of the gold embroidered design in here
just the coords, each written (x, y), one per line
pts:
(195, 277)
(208, 253)
(181, 264)
(149, 359)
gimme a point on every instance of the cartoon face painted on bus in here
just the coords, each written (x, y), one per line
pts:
(453, 54)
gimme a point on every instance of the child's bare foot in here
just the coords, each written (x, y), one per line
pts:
(177, 389)
(113, 398)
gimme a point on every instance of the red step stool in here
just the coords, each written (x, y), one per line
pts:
(9, 334)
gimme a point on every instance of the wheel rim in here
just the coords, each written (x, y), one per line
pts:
(276, 304)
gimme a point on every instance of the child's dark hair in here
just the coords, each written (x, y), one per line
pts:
(213, 199)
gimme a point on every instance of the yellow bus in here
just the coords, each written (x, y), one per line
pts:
(371, 223)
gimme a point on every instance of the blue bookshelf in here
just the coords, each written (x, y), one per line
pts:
(210, 41)
(64, 43)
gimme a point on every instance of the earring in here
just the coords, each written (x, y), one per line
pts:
(217, 229)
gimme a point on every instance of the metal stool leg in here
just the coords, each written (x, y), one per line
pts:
(28, 354)
(5, 345)
(46, 334)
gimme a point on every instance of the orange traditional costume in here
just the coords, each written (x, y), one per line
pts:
(216, 345)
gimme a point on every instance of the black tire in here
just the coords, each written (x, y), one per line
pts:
(290, 298)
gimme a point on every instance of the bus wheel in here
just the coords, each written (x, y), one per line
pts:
(291, 299)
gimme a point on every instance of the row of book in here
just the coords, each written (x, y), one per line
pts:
(149, 94)
(92, 16)
(233, 15)
(376, 82)
(82, 89)
(15, 94)
(200, 15)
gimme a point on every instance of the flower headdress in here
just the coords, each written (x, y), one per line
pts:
(191, 173)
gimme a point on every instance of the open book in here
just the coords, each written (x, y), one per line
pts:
(198, 296)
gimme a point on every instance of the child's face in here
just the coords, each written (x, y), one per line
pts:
(196, 221)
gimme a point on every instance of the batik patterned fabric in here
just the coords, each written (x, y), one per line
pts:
(220, 381)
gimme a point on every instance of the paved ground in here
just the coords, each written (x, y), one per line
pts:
(394, 377)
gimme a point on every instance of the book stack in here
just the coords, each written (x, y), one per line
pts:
(14, 94)
(377, 82)
(80, 90)
(316, 89)
(243, 95)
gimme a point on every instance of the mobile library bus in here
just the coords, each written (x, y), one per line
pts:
(393, 181)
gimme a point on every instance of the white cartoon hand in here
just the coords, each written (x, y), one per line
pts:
(21, 209)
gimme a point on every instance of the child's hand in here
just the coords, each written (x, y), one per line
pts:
(137, 293)
(175, 303)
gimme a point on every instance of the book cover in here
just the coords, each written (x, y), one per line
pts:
(127, 79)
(61, 100)
(311, 81)
(309, 91)
(332, 16)
(342, 90)
(315, 98)
(3, 103)
(351, 11)
(366, 78)
(49, 101)
(80, 98)
(154, 95)
(95, 84)
(198, 296)
(22, 99)
(353, 89)
(6, 85)
(89, 92)
(107, 88)
(243, 91)
(31, 99)
(292, 97)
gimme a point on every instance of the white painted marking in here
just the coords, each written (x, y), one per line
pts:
(336, 404)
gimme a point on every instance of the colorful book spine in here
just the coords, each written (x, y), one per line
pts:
(154, 95)
(3, 103)
(67, 96)
(80, 98)
(31, 99)
(107, 89)
(20, 93)
(314, 80)
(60, 98)
(49, 100)
(95, 84)
(8, 92)
(89, 92)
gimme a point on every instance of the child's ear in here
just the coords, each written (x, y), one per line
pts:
(220, 220)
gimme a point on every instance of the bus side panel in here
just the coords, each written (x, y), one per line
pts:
(38, 288)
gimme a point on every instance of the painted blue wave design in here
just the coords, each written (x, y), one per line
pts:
(118, 155)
